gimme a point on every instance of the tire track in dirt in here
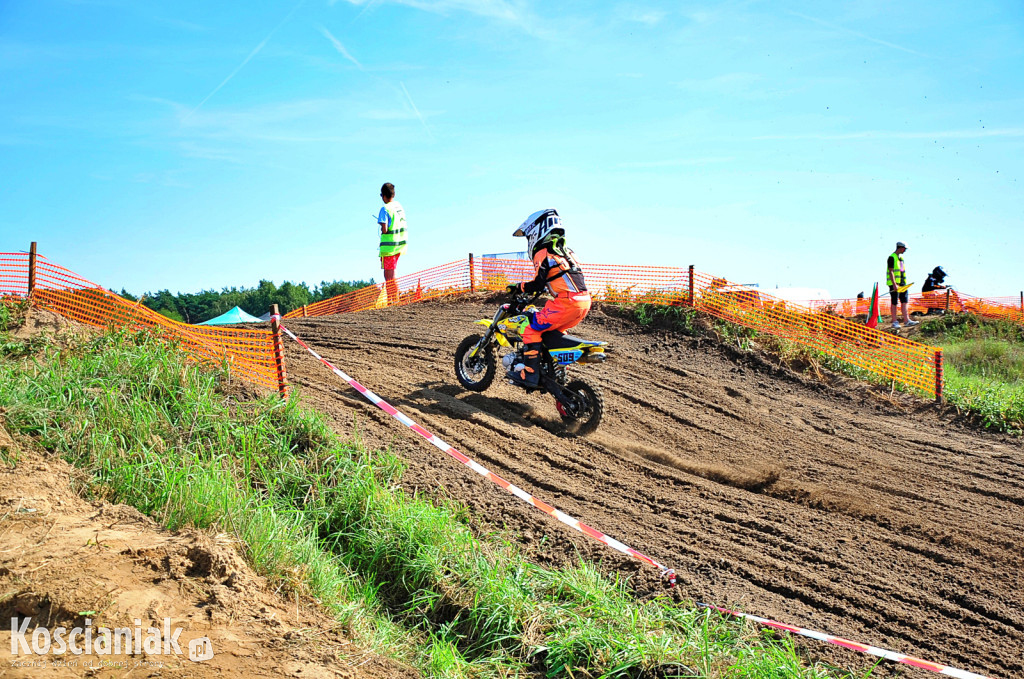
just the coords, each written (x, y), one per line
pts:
(820, 507)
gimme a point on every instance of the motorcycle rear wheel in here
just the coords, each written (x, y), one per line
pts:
(477, 372)
(587, 420)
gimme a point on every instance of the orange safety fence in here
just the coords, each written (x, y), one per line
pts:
(884, 354)
(954, 301)
(250, 353)
(446, 279)
(910, 363)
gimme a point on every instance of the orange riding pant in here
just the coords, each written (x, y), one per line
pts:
(561, 313)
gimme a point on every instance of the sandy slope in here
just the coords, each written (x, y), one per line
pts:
(63, 560)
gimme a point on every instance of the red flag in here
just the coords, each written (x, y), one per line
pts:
(873, 309)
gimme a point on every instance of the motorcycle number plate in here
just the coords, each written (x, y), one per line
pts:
(566, 357)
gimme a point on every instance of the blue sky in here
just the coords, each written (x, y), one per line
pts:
(196, 145)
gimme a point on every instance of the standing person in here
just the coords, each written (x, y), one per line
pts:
(557, 271)
(392, 238)
(896, 277)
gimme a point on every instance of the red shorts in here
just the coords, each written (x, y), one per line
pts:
(389, 263)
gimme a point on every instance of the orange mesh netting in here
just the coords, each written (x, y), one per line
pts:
(14, 274)
(881, 353)
(820, 328)
(999, 308)
(446, 279)
(249, 352)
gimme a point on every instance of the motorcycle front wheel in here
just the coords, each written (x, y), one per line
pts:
(474, 372)
(586, 417)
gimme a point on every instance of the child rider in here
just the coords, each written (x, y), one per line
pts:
(557, 271)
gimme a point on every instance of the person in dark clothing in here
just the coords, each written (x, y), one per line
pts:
(933, 284)
(934, 280)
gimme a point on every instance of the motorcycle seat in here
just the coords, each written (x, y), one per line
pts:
(557, 340)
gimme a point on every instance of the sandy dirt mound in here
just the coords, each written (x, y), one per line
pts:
(825, 507)
(64, 560)
(40, 322)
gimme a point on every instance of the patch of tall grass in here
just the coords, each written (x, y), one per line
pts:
(984, 368)
(325, 516)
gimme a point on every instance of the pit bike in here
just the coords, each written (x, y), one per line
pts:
(580, 404)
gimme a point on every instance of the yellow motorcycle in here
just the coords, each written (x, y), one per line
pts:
(579, 403)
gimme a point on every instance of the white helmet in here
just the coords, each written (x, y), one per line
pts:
(539, 226)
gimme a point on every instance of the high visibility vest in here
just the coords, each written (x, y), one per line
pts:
(393, 240)
(898, 271)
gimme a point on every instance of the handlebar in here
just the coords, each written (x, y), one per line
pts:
(521, 299)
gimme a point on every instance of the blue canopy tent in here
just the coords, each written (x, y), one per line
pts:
(236, 315)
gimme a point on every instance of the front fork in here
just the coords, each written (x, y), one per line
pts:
(484, 341)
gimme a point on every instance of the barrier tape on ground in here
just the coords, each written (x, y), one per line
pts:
(853, 645)
(666, 572)
(615, 544)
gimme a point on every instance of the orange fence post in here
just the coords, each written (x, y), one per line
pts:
(31, 268)
(282, 374)
(939, 380)
(693, 302)
(472, 281)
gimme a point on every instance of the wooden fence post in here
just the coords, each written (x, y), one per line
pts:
(472, 280)
(1022, 301)
(31, 268)
(282, 374)
(939, 380)
(693, 301)
(304, 314)
(947, 300)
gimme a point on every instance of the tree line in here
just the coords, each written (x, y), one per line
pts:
(196, 307)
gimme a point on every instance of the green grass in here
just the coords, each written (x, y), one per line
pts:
(984, 368)
(325, 517)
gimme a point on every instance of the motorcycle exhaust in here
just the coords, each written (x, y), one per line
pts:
(592, 357)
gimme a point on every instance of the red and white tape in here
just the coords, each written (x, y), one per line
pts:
(853, 645)
(666, 572)
(618, 546)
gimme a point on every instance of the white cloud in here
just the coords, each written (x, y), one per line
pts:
(245, 61)
(883, 134)
(416, 109)
(509, 11)
(858, 34)
(675, 162)
(642, 15)
(341, 48)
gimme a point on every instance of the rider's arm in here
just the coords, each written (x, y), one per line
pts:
(540, 280)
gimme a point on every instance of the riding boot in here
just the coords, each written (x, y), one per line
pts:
(527, 373)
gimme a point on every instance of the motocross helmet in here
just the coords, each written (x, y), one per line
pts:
(939, 272)
(539, 226)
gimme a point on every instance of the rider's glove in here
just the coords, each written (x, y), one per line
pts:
(513, 289)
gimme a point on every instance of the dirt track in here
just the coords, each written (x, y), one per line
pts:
(823, 507)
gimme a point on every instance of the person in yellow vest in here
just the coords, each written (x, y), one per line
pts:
(896, 277)
(392, 238)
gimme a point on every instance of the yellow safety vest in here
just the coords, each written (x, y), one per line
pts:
(898, 271)
(393, 240)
